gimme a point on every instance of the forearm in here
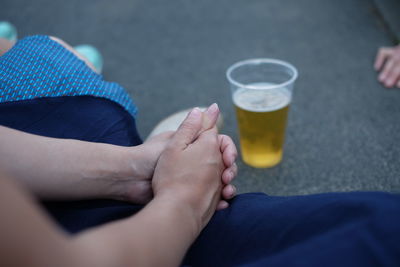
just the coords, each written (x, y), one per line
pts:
(62, 168)
(159, 235)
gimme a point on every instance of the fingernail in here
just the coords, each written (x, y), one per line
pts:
(233, 191)
(233, 166)
(196, 112)
(231, 176)
(224, 205)
(212, 109)
(381, 77)
(211, 112)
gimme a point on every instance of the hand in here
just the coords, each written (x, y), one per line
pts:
(388, 63)
(137, 188)
(229, 154)
(189, 169)
(135, 185)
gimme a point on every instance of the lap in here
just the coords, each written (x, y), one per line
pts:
(336, 229)
(85, 118)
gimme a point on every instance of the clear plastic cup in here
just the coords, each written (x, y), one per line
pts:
(262, 92)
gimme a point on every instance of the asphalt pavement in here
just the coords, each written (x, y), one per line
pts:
(344, 127)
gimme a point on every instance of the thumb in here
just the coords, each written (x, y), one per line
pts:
(188, 130)
(210, 117)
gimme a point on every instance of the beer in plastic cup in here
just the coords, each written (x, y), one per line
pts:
(262, 92)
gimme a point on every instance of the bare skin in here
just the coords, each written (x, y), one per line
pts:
(5, 45)
(183, 152)
(187, 188)
(63, 169)
(387, 63)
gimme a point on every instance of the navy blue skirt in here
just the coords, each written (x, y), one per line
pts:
(336, 229)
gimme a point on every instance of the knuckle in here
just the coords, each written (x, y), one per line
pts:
(210, 139)
(228, 139)
(224, 136)
(396, 57)
(235, 152)
(234, 168)
(187, 126)
(383, 50)
(389, 64)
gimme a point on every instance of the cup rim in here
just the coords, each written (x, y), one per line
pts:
(259, 61)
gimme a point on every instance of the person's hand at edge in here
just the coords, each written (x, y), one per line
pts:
(387, 63)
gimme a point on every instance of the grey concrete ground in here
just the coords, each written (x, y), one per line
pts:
(344, 128)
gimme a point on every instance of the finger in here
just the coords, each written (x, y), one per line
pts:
(210, 116)
(381, 56)
(222, 204)
(228, 149)
(386, 70)
(229, 174)
(398, 84)
(228, 191)
(209, 136)
(208, 140)
(188, 130)
(393, 76)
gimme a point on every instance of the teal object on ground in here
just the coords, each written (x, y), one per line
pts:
(92, 55)
(8, 31)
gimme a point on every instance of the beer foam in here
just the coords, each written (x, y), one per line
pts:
(261, 100)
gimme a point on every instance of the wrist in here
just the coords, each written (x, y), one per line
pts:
(108, 170)
(177, 204)
(129, 173)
